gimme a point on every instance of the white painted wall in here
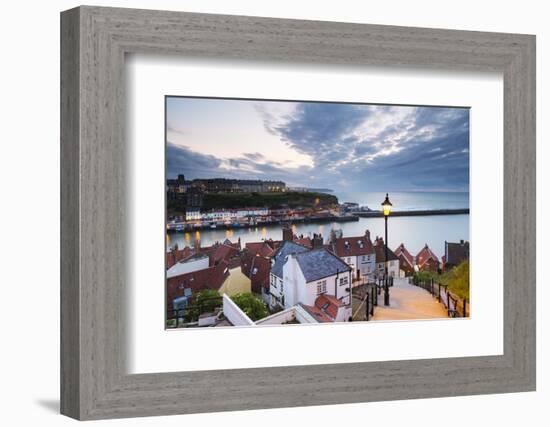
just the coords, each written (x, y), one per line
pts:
(297, 290)
(234, 314)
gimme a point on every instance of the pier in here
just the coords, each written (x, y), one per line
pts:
(425, 212)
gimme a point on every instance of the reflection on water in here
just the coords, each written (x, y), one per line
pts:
(414, 232)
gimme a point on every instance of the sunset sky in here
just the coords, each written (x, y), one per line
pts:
(353, 146)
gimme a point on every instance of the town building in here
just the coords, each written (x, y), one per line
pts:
(426, 260)
(187, 284)
(300, 276)
(392, 262)
(455, 253)
(358, 252)
(406, 260)
(188, 265)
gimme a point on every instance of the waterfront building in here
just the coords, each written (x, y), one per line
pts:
(193, 214)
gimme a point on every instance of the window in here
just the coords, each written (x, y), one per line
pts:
(343, 281)
(321, 287)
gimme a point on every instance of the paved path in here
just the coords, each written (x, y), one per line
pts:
(408, 302)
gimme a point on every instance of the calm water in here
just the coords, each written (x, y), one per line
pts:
(414, 232)
(408, 201)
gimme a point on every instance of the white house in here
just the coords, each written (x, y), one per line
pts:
(358, 252)
(316, 279)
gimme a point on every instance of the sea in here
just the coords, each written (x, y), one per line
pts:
(414, 232)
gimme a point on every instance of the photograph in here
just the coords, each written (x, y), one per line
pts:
(283, 212)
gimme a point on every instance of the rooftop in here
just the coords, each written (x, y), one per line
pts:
(402, 252)
(319, 263)
(282, 253)
(425, 255)
(353, 246)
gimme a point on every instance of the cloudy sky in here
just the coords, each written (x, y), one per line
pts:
(345, 147)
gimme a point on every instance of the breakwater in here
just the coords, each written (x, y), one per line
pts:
(425, 212)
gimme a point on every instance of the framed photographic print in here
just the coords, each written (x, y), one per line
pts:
(232, 184)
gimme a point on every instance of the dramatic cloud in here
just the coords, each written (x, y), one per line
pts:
(359, 147)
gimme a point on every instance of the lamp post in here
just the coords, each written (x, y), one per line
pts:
(386, 209)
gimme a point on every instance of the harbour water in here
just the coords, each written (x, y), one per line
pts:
(408, 201)
(414, 231)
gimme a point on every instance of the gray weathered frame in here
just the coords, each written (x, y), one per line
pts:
(94, 42)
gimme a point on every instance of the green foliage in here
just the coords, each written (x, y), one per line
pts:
(425, 276)
(253, 306)
(204, 301)
(457, 279)
(268, 200)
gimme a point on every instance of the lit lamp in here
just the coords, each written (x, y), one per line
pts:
(386, 209)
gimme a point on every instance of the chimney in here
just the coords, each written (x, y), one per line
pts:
(287, 234)
(367, 234)
(461, 241)
(317, 241)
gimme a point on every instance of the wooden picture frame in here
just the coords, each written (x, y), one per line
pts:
(94, 41)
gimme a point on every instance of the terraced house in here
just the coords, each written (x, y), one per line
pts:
(317, 280)
(358, 252)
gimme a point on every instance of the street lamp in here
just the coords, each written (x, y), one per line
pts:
(386, 209)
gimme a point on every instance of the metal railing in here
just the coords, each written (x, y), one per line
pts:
(185, 316)
(456, 306)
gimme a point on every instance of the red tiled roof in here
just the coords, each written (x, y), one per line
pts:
(176, 255)
(208, 278)
(304, 241)
(328, 304)
(425, 255)
(223, 253)
(259, 273)
(317, 313)
(402, 252)
(353, 246)
(259, 248)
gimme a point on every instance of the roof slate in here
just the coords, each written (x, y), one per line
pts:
(281, 253)
(320, 263)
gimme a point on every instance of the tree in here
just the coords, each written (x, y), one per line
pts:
(204, 301)
(253, 306)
